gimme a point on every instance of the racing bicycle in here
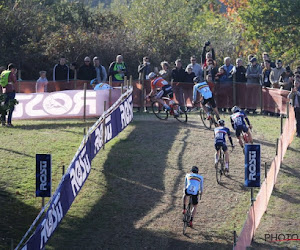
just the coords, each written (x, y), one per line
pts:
(162, 113)
(187, 216)
(220, 166)
(208, 122)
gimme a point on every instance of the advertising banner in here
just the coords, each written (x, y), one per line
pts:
(252, 165)
(43, 175)
(109, 125)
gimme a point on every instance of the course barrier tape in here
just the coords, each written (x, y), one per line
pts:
(260, 205)
(109, 125)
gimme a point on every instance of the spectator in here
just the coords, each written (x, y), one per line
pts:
(276, 73)
(208, 52)
(73, 71)
(100, 70)
(240, 72)
(145, 68)
(228, 67)
(165, 71)
(41, 83)
(249, 59)
(220, 77)
(8, 79)
(190, 75)
(286, 79)
(265, 77)
(2, 68)
(61, 70)
(265, 57)
(197, 69)
(210, 68)
(87, 71)
(178, 73)
(118, 69)
(294, 96)
(297, 71)
(253, 72)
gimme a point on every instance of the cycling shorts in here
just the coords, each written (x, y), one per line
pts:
(219, 145)
(239, 130)
(166, 91)
(211, 101)
(194, 197)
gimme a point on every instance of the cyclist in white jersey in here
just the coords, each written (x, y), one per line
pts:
(193, 187)
(207, 96)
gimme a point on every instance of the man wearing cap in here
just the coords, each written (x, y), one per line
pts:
(87, 71)
(253, 72)
(276, 73)
(100, 70)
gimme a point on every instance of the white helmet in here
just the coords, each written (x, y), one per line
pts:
(235, 109)
(151, 75)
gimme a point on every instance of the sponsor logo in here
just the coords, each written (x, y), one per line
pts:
(80, 172)
(126, 112)
(54, 216)
(57, 103)
(252, 165)
(43, 175)
(99, 134)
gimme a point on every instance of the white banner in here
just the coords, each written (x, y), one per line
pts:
(63, 104)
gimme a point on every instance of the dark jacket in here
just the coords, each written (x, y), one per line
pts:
(178, 75)
(60, 72)
(240, 74)
(87, 72)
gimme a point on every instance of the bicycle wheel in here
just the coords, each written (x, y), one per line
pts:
(219, 170)
(182, 115)
(159, 111)
(187, 216)
(206, 122)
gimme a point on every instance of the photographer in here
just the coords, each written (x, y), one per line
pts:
(208, 52)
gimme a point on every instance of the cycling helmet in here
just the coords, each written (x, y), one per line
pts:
(151, 75)
(221, 122)
(195, 169)
(235, 109)
(196, 79)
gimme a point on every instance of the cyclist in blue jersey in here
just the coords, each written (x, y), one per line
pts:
(193, 187)
(238, 119)
(207, 96)
(220, 142)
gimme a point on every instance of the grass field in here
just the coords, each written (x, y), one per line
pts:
(132, 199)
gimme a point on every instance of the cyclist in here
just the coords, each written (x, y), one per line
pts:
(165, 91)
(238, 124)
(207, 96)
(192, 187)
(220, 142)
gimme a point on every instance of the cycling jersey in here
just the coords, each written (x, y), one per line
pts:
(203, 89)
(220, 134)
(158, 82)
(238, 119)
(238, 122)
(193, 183)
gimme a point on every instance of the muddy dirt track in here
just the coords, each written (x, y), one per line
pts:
(143, 175)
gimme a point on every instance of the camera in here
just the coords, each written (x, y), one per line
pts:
(207, 43)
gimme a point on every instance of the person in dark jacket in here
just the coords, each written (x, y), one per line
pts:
(87, 71)
(61, 71)
(240, 73)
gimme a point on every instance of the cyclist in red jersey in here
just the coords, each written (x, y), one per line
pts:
(165, 90)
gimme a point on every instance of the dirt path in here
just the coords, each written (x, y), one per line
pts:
(139, 205)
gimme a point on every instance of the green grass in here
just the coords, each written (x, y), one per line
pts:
(135, 183)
